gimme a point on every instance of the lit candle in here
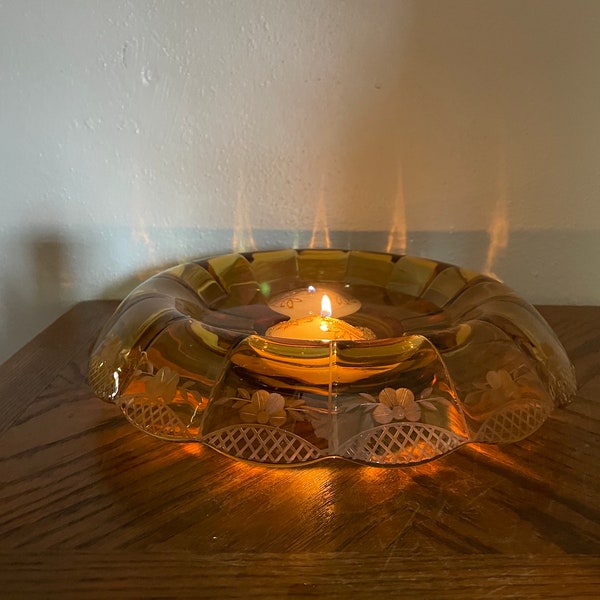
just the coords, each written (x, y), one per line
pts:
(321, 327)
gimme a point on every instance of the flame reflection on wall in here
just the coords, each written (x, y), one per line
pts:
(243, 236)
(498, 229)
(320, 233)
(396, 241)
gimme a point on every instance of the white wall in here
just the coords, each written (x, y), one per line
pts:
(134, 134)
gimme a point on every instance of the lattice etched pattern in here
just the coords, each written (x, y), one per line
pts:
(513, 423)
(101, 380)
(154, 417)
(401, 443)
(262, 444)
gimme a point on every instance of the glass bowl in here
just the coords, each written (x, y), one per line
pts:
(408, 360)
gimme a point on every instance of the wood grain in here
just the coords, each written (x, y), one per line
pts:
(24, 375)
(172, 575)
(91, 507)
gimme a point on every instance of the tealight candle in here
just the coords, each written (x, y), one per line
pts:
(307, 301)
(321, 327)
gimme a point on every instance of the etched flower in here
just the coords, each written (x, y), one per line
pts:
(499, 386)
(396, 405)
(497, 389)
(163, 384)
(264, 408)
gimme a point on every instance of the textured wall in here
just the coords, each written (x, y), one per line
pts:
(137, 133)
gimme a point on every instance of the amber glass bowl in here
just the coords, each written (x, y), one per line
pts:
(415, 358)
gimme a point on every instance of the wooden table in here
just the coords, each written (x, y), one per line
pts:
(92, 508)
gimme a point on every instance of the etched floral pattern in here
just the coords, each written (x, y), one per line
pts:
(264, 408)
(400, 404)
(164, 386)
(396, 405)
(498, 387)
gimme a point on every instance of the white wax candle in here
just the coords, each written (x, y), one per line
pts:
(307, 301)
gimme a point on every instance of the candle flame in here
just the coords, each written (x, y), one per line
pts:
(325, 306)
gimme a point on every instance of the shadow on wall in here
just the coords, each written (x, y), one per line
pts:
(40, 289)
